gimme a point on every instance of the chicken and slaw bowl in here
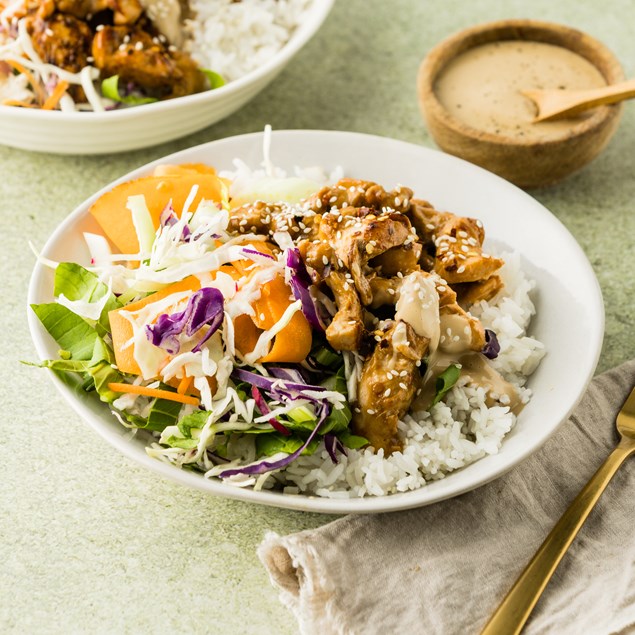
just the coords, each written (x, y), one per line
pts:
(314, 334)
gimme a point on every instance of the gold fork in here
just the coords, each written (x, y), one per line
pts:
(511, 615)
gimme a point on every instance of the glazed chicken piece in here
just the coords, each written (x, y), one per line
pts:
(389, 380)
(345, 331)
(425, 219)
(142, 60)
(385, 291)
(267, 218)
(357, 193)
(454, 322)
(350, 241)
(124, 11)
(470, 293)
(459, 256)
(61, 39)
(402, 259)
(254, 218)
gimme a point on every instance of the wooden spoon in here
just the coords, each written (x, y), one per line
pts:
(558, 104)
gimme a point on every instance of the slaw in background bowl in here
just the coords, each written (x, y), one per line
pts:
(569, 320)
(151, 124)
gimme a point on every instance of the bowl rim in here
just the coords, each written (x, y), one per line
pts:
(435, 62)
(316, 15)
(311, 503)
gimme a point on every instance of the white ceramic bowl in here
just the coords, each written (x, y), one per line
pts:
(570, 318)
(151, 124)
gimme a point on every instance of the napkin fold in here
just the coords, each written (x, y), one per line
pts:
(446, 567)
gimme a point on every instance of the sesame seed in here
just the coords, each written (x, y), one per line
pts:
(403, 386)
(387, 392)
(370, 411)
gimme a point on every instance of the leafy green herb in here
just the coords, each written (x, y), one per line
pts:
(163, 413)
(180, 442)
(270, 444)
(195, 420)
(352, 441)
(336, 382)
(337, 421)
(69, 330)
(79, 284)
(103, 374)
(215, 80)
(445, 381)
(110, 90)
(326, 356)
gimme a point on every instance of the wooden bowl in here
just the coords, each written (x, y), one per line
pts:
(525, 162)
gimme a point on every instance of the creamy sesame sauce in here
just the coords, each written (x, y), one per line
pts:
(480, 373)
(450, 338)
(481, 87)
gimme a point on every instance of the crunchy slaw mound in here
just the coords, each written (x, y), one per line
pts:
(285, 332)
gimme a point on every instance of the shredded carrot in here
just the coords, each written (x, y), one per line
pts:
(152, 392)
(184, 385)
(17, 102)
(55, 96)
(29, 75)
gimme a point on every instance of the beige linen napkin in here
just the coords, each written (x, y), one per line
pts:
(445, 568)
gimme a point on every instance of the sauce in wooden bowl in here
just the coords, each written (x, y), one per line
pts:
(481, 87)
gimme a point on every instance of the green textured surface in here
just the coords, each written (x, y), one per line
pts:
(91, 542)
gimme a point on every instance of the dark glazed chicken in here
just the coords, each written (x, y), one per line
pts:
(141, 59)
(388, 384)
(124, 11)
(61, 39)
(117, 38)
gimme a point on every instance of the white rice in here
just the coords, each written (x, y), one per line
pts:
(454, 433)
(235, 38)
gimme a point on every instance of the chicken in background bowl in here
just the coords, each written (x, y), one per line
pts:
(106, 54)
